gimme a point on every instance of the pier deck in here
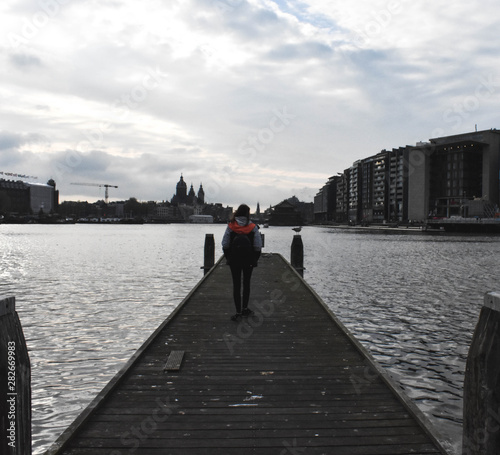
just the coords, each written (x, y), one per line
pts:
(290, 380)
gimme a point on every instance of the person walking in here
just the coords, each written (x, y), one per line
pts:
(242, 245)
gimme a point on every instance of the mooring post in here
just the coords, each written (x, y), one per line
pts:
(481, 427)
(15, 384)
(297, 254)
(209, 256)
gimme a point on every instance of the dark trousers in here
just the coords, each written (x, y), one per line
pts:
(237, 272)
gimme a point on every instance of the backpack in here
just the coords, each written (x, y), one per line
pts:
(242, 248)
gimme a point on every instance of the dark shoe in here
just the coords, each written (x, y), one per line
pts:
(246, 312)
(236, 317)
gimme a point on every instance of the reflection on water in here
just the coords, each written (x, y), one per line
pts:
(88, 296)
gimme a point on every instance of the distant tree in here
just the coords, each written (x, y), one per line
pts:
(135, 209)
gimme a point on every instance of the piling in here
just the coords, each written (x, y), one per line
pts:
(481, 431)
(297, 254)
(15, 385)
(209, 255)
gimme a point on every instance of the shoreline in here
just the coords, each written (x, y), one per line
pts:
(408, 229)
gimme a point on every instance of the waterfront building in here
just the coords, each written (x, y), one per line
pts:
(446, 173)
(325, 201)
(44, 198)
(24, 198)
(342, 198)
(398, 185)
(219, 213)
(14, 197)
(447, 176)
(381, 169)
(165, 211)
(285, 214)
(354, 212)
(365, 190)
(319, 211)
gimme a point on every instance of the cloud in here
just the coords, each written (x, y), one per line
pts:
(23, 61)
(303, 51)
(134, 95)
(12, 140)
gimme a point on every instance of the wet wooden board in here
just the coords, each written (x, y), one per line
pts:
(289, 380)
(174, 361)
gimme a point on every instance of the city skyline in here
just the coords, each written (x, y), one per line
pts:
(258, 100)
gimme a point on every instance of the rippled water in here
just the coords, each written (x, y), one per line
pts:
(88, 296)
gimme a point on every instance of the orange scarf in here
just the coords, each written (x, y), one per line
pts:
(235, 227)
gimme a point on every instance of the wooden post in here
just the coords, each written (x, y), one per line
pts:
(263, 236)
(15, 383)
(297, 254)
(481, 431)
(209, 257)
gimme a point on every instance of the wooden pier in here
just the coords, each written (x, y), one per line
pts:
(288, 380)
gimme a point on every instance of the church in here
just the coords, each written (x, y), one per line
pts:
(182, 197)
(184, 204)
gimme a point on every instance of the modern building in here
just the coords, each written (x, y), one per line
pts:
(24, 198)
(342, 198)
(365, 190)
(14, 197)
(444, 177)
(398, 185)
(354, 196)
(325, 201)
(448, 172)
(44, 198)
(381, 169)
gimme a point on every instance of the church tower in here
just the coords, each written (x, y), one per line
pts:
(181, 191)
(191, 195)
(201, 195)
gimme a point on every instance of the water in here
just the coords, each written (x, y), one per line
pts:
(89, 295)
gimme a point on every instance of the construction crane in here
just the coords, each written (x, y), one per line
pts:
(105, 185)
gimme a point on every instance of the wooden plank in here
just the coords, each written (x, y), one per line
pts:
(287, 447)
(174, 361)
(289, 375)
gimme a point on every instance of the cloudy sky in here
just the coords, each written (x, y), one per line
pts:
(258, 100)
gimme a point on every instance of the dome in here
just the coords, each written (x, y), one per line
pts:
(181, 183)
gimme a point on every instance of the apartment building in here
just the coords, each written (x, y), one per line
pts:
(447, 172)
(443, 177)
